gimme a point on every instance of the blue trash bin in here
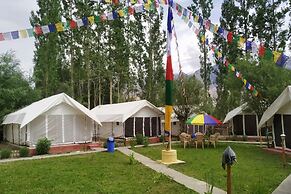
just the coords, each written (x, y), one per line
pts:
(110, 144)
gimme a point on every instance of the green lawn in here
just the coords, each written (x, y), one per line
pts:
(256, 171)
(91, 173)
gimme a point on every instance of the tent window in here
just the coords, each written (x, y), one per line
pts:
(174, 123)
(117, 123)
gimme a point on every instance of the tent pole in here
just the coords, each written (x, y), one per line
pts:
(46, 126)
(244, 125)
(133, 126)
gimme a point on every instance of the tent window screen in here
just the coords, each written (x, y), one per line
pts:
(129, 127)
(277, 129)
(69, 127)
(251, 125)
(154, 126)
(55, 128)
(147, 126)
(238, 125)
(138, 125)
(287, 130)
(37, 129)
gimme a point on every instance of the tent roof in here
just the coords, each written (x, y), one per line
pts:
(283, 99)
(120, 112)
(28, 113)
(235, 112)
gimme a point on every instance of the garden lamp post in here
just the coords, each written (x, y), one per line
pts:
(283, 149)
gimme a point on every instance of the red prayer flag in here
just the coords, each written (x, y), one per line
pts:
(1, 37)
(73, 24)
(130, 10)
(229, 37)
(262, 50)
(38, 30)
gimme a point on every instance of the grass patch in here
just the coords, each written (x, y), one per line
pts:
(255, 171)
(92, 173)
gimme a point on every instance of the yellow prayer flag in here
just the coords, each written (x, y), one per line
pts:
(147, 6)
(132, 1)
(196, 18)
(23, 33)
(276, 55)
(168, 114)
(121, 13)
(59, 27)
(203, 38)
(108, 1)
(245, 82)
(215, 28)
(242, 40)
(91, 20)
(219, 55)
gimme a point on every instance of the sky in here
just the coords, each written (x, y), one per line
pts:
(14, 15)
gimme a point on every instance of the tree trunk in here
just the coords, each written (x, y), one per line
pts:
(88, 94)
(99, 90)
(110, 89)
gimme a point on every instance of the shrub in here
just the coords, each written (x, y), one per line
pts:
(105, 144)
(139, 139)
(23, 152)
(146, 141)
(132, 143)
(132, 159)
(43, 146)
(162, 138)
(5, 153)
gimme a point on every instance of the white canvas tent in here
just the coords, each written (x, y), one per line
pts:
(128, 119)
(278, 115)
(242, 122)
(59, 118)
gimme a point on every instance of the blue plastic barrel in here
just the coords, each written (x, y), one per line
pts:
(110, 144)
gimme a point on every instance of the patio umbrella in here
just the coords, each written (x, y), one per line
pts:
(190, 119)
(204, 119)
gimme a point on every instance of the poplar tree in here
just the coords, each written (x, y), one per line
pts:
(47, 57)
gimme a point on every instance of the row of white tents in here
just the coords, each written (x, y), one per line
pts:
(63, 120)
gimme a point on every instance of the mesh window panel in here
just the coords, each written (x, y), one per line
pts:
(190, 129)
(251, 125)
(277, 129)
(138, 125)
(81, 132)
(55, 128)
(287, 130)
(154, 126)
(147, 126)
(238, 125)
(37, 129)
(69, 123)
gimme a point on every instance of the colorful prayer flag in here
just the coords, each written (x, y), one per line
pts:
(91, 20)
(23, 33)
(30, 32)
(276, 55)
(261, 50)
(37, 30)
(169, 74)
(282, 60)
(45, 29)
(1, 37)
(52, 27)
(15, 35)
(229, 37)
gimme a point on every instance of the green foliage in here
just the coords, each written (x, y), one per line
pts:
(261, 166)
(105, 144)
(5, 153)
(132, 160)
(162, 138)
(146, 141)
(139, 139)
(209, 182)
(113, 175)
(195, 103)
(23, 152)
(15, 90)
(43, 146)
(132, 143)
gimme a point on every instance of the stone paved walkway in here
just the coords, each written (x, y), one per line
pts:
(51, 156)
(189, 182)
(284, 187)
